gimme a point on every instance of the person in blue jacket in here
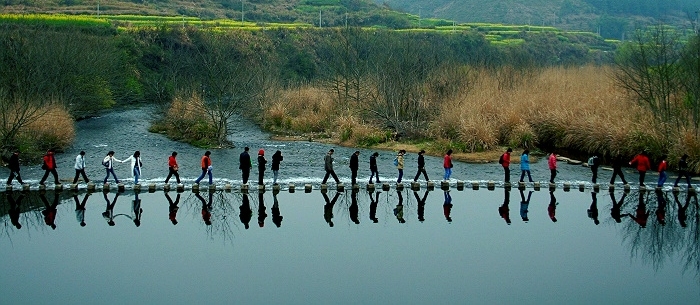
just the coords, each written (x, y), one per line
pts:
(525, 165)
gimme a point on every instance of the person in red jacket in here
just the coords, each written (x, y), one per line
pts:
(447, 164)
(173, 168)
(552, 167)
(505, 162)
(49, 167)
(662, 171)
(641, 162)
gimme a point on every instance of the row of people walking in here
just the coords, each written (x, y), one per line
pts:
(640, 162)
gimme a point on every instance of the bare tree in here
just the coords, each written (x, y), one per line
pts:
(648, 68)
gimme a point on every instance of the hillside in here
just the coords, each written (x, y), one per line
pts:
(610, 18)
(328, 12)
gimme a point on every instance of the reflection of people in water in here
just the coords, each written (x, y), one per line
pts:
(172, 207)
(108, 214)
(552, 207)
(421, 205)
(682, 209)
(398, 210)
(354, 208)
(50, 210)
(593, 210)
(328, 207)
(276, 217)
(246, 213)
(524, 204)
(15, 209)
(447, 206)
(262, 214)
(136, 209)
(373, 207)
(206, 208)
(80, 208)
(642, 215)
(616, 210)
(504, 210)
(661, 208)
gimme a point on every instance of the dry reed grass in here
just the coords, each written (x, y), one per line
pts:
(578, 109)
(54, 129)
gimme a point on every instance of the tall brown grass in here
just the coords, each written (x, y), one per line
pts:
(574, 109)
(53, 129)
(186, 120)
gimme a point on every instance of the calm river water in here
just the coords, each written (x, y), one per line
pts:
(457, 247)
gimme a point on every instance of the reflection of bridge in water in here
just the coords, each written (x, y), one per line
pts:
(655, 225)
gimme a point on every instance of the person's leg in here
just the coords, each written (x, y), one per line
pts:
(529, 177)
(211, 177)
(46, 175)
(522, 175)
(111, 170)
(85, 178)
(77, 174)
(400, 176)
(612, 179)
(506, 171)
(687, 178)
(177, 176)
(371, 175)
(325, 178)
(275, 174)
(55, 176)
(662, 178)
(106, 177)
(201, 176)
(425, 174)
(353, 176)
(552, 175)
(261, 175)
(642, 174)
(170, 174)
(595, 174)
(137, 175)
(335, 177)
(377, 171)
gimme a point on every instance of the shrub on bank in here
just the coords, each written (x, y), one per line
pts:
(185, 120)
(54, 129)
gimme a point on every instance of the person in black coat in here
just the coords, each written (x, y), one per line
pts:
(373, 167)
(261, 166)
(245, 164)
(276, 160)
(354, 166)
(14, 168)
(421, 167)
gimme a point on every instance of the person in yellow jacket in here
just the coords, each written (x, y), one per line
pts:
(399, 164)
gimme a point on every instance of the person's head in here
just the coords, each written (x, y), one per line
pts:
(526, 152)
(110, 153)
(663, 157)
(509, 150)
(685, 156)
(376, 154)
(331, 151)
(82, 153)
(137, 154)
(261, 152)
(208, 153)
(644, 152)
(246, 148)
(357, 153)
(421, 152)
(402, 152)
(174, 154)
(279, 152)
(16, 152)
(449, 152)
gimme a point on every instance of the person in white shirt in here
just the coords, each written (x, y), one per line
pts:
(80, 168)
(108, 162)
(135, 165)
